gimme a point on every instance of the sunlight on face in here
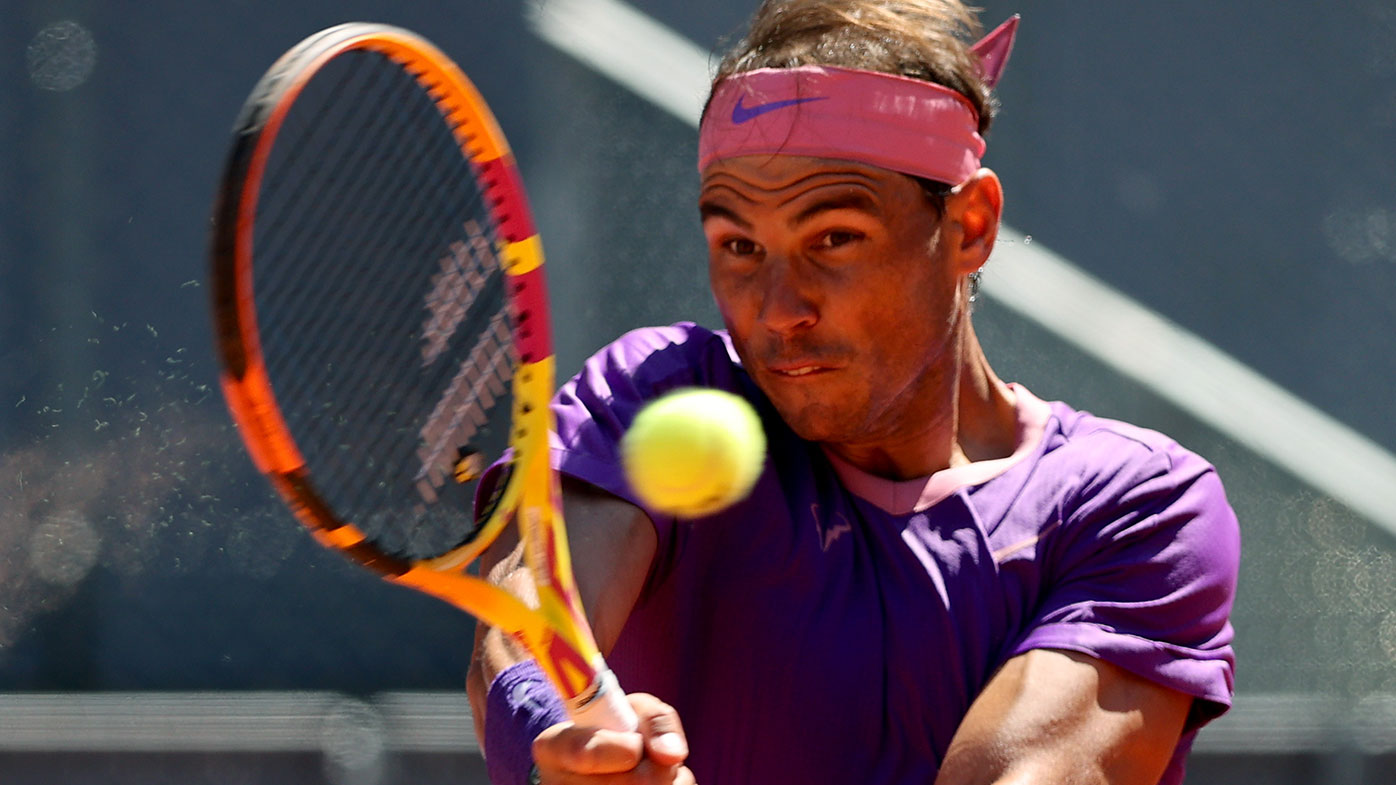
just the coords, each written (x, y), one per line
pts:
(830, 277)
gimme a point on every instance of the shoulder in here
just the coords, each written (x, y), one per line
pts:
(1105, 459)
(1092, 480)
(593, 409)
(1136, 557)
(1101, 440)
(1133, 492)
(656, 359)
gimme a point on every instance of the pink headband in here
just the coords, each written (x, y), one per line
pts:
(894, 122)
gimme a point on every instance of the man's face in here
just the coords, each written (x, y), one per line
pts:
(831, 279)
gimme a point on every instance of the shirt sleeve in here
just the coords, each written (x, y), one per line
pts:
(594, 409)
(1142, 573)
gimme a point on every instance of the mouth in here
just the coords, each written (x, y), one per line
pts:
(797, 370)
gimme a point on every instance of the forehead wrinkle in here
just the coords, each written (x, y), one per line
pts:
(796, 189)
(778, 184)
(711, 189)
(848, 192)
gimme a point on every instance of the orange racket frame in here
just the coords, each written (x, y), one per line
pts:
(556, 631)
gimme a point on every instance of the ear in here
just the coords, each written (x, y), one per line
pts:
(975, 208)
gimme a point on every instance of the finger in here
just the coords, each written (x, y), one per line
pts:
(674, 775)
(644, 774)
(665, 742)
(567, 748)
(651, 773)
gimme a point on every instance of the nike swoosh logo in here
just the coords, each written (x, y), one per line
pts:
(741, 113)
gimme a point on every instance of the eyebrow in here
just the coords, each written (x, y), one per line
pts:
(846, 201)
(708, 209)
(851, 200)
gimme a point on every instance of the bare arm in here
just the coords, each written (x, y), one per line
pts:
(1062, 718)
(612, 544)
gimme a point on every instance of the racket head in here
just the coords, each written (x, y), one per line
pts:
(381, 318)
(379, 300)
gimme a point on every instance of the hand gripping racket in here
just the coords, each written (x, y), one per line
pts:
(382, 323)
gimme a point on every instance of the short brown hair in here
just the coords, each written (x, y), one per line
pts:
(921, 39)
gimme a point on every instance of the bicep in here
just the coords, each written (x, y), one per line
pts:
(1053, 716)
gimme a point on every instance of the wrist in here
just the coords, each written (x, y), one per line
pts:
(521, 704)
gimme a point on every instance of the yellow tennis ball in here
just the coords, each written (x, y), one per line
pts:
(693, 452)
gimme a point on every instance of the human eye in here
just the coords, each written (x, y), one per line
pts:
(740, 246)
(837, 238)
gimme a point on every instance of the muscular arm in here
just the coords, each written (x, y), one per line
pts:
(1061, 718)
(612, 544)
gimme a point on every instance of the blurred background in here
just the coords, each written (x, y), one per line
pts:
(1204, 242)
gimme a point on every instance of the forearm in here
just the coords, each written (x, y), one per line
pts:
(1062, 718)
(612, 545)
(993, 768)
(493, 650)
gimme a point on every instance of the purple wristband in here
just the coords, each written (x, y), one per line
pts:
(521, 705)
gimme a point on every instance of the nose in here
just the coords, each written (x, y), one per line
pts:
(789, 298)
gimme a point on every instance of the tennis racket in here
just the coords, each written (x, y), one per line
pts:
(382, 323)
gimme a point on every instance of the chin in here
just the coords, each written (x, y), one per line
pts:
(813, 422)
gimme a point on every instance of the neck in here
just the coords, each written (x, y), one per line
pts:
(973, 418)
(987, 426)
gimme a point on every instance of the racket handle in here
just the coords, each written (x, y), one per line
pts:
(607, 708)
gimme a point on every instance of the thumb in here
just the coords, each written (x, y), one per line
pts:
(566, 747)
(665, 742)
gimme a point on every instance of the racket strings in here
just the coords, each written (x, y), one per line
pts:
(364, 267)
(333, 173)
(381, 305)
(340, 245)
(298, 186)
(365, 408)
(398, 158)
(309, 163)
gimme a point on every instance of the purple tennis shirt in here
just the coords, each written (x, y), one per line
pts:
(835, 627)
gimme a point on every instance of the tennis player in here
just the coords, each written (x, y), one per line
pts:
(939, 577)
